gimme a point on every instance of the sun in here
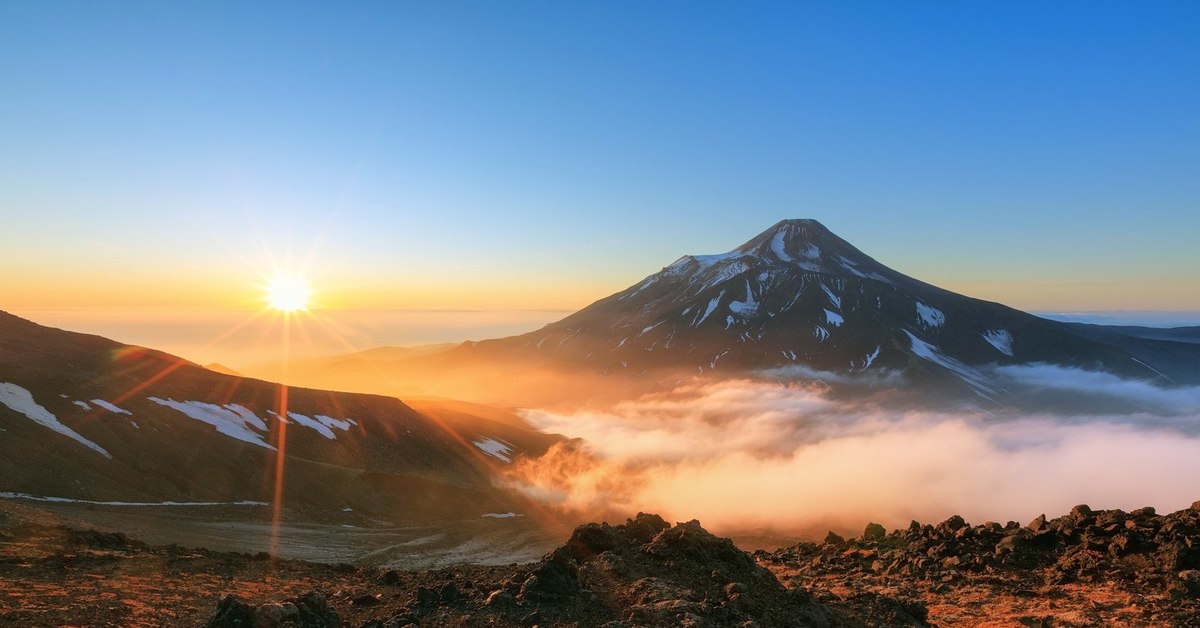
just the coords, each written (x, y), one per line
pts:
(288, 294)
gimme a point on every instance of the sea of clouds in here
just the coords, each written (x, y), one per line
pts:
(753, 454)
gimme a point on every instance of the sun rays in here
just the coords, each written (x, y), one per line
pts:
(288, 294)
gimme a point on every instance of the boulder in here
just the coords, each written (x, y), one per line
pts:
(874, 532)
(231, 612)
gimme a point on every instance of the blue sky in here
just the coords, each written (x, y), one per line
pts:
(544, 154)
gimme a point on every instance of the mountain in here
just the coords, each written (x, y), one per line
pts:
(795, 299)
(86, 418)
(796, 294)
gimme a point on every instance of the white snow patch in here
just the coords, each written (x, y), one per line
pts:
(706, 261)
(312, 424)
(833, 318)
(729, 321)
(248, 417)
(746, 308)
(500, 515)
(21, 400)
(712, 305)
(494, 448)
(1001, 339)
(821, 333)
(334, 423)
(110, 407)
(777, 246)
(227, 421)
(67, 500)
(871, 358)
(833, 298)
(646, 283)
(82, 404)
(713, 364)
(969, 375)
(930, 316)
(725, 272)
(1160, 373)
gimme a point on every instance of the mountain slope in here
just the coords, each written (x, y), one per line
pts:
(84, 417)
(797, 294)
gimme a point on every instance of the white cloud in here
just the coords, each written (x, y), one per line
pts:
(750, 454)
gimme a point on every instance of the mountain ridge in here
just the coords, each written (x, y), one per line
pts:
(797, 294)
(160, 428)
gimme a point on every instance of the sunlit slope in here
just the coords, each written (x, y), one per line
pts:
(84, 417)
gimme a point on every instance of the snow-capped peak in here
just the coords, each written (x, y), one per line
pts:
(802, 244)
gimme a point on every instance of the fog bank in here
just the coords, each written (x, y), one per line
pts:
(745, 454)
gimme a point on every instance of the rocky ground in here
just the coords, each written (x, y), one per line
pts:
(1083, 569)
(1088, 568)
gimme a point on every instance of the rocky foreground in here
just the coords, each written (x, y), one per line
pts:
(1083, 569)
(1088, 568)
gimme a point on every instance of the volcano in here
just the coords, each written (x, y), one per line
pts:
(798, 298)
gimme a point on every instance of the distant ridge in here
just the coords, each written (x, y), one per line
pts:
(221, 368)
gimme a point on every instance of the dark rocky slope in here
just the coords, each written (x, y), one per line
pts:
(1137, 568)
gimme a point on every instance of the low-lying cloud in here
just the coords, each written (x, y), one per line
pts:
(751, 455)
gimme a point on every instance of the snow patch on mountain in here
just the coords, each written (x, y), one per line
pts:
(83, 404)
(110, 407)
(67, 500)
(833, 298)
(777, 246)
(494, 448)
(330, 422)
(747, 308)
(833, 318)
(649, 328)
(874, 354)
(1001, 339)
(713, 364)
(312, 424)
(708, 261)
(226, 421)
(870, 358)
(930, 316)
(247, 416)
(712, 305)
(21, 400)
(974, 378)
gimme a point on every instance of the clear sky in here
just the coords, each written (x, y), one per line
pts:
(540, 155)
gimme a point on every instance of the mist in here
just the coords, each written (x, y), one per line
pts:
(753, 455)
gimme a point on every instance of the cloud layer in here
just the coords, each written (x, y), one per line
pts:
(751, 455)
